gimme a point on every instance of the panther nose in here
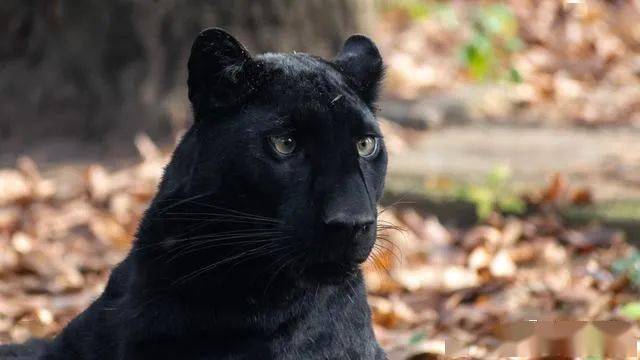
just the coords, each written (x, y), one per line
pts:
(349, 226)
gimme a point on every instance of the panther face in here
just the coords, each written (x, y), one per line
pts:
(287, 150)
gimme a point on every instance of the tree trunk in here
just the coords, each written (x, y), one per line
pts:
(90, 68)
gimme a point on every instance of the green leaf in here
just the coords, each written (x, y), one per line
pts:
(478, 56)
(621, 265)
(626, 264)
(514, 76)
(484, 209)
(499, 176)
(487, 56)
(631, 310)
(418, 10)
(484, 200)
(629, 266)
(417, 338)
(498, 19)
(494, 194)
(512, 204)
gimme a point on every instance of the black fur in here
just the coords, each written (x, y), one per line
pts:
(281, 237)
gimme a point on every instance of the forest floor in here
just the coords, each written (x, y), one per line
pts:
(64, 227)
(607, 160)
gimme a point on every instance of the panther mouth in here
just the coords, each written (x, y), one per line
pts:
(331, 270)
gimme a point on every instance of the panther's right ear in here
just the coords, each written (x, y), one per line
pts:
(361, 62)
(221, 71)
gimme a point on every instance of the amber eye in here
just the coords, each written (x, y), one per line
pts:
(283, 144)
(367, 146)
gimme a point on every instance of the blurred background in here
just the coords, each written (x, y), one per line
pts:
(513, 128)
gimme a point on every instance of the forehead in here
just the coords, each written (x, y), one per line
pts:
(307, 91)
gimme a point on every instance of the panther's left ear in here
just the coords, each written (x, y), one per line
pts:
(361, 62)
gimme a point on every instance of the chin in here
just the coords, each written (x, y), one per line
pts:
(331, 272)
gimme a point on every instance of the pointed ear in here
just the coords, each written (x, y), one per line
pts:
(361, 62)
(220, 71)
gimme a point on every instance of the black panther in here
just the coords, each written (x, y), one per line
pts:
(252, 247)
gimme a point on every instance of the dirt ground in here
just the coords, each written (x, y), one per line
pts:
(605, 160)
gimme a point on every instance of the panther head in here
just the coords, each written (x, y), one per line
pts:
(285, 155)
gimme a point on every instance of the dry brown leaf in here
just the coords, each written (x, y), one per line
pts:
(147, 148)
(502, 265)
(15, 187)
(22, 243)
(554, 254)
(110, 232)
(123, 208)
(445, 278)
(582, 196)
(8, 256)
(483, 235)
(435, 233)
(523, 253)
(556, 189)
(44, 189)
(479, 258)
(511, 232)
(590, 239)
(9, 218)
(98, 183)
(392, 312)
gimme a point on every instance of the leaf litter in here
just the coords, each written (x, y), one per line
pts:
(434, 282)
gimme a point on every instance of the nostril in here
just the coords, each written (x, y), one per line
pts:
(362, 227)
(349, 226)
